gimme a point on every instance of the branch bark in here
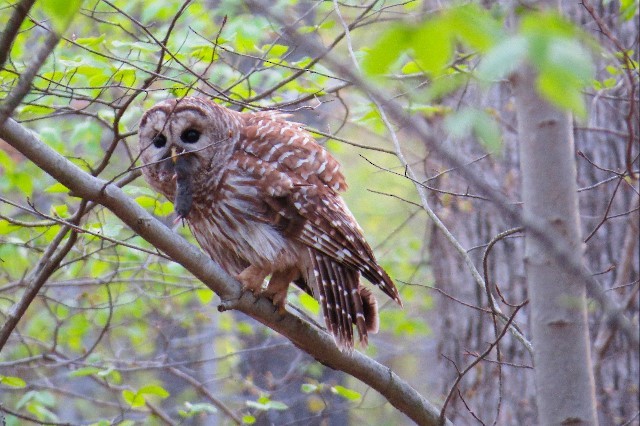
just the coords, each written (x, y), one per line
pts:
(13, 26)
(304, 335)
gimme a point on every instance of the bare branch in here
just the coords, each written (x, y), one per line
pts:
(11, 30)
(26, 77)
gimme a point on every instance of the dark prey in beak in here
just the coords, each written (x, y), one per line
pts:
(184, 192)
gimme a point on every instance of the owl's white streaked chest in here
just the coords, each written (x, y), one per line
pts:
(229, 217)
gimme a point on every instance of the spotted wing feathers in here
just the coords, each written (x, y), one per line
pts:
(303, 182)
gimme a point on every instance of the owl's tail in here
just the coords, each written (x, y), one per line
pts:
(345, 302)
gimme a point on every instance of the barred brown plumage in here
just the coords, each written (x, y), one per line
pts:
(264, 200)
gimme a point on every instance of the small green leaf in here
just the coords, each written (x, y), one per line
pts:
(193, 409)
(154, 390)
(257, 405)
(475, 26)
(14, 382)
(248, 419)
(561, 93)
(277, 50)
(133, 399)
(503, 59)
(61, 210)
(61, 12)
(308, 388)
(57, 188)
(480, 123)
(411, 67)
(264, 404)
(90, 41)
(277, 405)
(205, 295)
(433, 46)
(85, 371)
(628, 9)
(346, 393)
(309, 303)
(387, 50)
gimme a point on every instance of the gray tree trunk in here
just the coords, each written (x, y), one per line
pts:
(563, 371)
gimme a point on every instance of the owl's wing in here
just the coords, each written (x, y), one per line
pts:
(300, 181)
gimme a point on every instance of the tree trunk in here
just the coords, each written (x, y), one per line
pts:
(564, 380)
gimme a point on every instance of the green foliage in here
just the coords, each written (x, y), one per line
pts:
(14, 382)
(480, 123)
(553, 45)
(348, 394)
(195, 409)
(61, 12)
(138, 398)
(264, 403)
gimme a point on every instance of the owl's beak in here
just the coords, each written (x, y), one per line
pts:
(174, 154)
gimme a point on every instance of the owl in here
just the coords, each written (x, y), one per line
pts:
(262, 198)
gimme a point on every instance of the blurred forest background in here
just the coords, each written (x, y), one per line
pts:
(120, 334)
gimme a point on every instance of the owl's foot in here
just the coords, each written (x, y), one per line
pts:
(252, 278)
(278, 298)
(278, 286)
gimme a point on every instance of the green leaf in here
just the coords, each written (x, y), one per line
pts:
(193, 409)
(85, 371)
(387, 50)
(561, 93)
(205, 295)
(433, 46)
(14, 382)
(309, 388)
(248, 419)
(277, 50)
(309, 303)
(480, 123)
(628, 9)
(346, 393)
(61, 12)
(257, 405)
(154, 390)
(90, 41)
(503, 59)
(277, 405)
(133, 399)
(475, 26)
(57, 188)
(411, 67)
(264, 403)
(61, 210)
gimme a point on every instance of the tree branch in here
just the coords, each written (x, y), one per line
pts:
(26, 77)
(11, 30)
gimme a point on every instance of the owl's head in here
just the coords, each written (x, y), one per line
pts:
(194, 134)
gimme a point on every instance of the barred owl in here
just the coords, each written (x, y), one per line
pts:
(261, 197)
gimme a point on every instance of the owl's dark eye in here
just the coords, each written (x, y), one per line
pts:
(190, 136)
(159, 141)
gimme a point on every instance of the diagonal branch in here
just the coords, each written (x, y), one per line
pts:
(11, 30)
(26, 77)
(304, 335)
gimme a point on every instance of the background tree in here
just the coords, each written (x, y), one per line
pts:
(105, 317)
